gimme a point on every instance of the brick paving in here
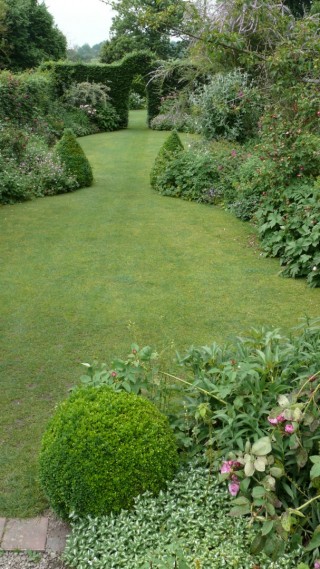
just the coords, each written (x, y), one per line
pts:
(35, 534)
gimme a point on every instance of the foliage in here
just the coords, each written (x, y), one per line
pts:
(227, 107)
(29, 36)
(205, 172)
(101, 449)
(191, 175)
(74, 159)
(136, 102)
(278, 477)
(130, 32)
(169, 150)
(93, 99)
(85, 53)
(186, 526)
(118, 76)
(174, 113)
(289, 228)
(86, 93)
(29, 168)
(25, 96)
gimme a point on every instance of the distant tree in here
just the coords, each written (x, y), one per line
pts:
(85, 52)
(129, 30)
(30, 35)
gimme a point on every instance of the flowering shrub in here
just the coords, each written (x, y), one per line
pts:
(93, 99)
(227, 107)
(29, 168)
(277, 478)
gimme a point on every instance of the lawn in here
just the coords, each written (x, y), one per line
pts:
(77, 269)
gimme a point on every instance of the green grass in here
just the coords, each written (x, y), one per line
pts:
(77, 268)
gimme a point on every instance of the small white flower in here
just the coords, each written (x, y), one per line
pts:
(314, 268)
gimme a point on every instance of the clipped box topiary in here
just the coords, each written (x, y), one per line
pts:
(101, 449)
(74, 159)
(168, 151)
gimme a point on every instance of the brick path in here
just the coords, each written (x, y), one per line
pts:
(35, 534)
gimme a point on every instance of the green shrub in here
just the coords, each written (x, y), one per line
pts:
(190, 176)
(289, 228)
(74, 159)
(186, 527)
(174, 113)
(136, 101)
(227, 107)
(14, 187)
(169, 150)
(101, 449)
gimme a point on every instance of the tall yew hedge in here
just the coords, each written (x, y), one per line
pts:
(118, 76)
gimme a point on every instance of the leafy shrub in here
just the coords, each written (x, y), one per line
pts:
(289, 227)
(101, 449)
(227, 107)
(13, 186)
(174, 113)
(190, 176)
(185, 527)
(74, 159)
(24, 96)
(106, 118)
(93, 100)
(29, 168)
(169, 150)
(136, 101)
(86, 93)
(278, 475)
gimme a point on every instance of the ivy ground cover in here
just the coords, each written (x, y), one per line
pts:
(77, 269)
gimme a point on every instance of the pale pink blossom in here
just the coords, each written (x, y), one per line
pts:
(234, 487)
(289, 428)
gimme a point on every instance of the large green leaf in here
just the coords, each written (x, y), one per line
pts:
(261, 447)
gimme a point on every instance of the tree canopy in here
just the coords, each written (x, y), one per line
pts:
(131, 30)
(28, 35)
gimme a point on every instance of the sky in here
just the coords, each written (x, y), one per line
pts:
(81, 21)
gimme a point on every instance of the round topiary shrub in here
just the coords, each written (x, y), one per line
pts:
(74, 159)
(168, 151)
(101, 449)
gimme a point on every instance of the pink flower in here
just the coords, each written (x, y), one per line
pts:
(114, 374)
(317, 564)
(280, 418)
(229, 465)
(226, 466)
(234, 486)
(273, 421)
(233, 153)
(289, 428)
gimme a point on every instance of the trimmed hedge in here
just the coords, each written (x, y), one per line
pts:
(74, 159)
(168, 151)
(102, 449)
(118, 76)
